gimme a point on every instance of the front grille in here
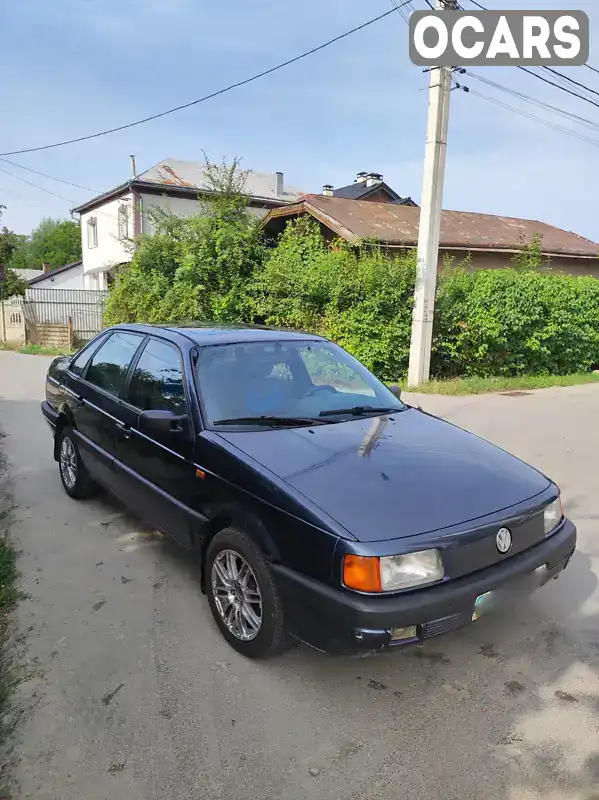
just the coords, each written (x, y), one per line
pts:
(445, 624)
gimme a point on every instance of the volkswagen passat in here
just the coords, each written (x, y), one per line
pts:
(320, 505)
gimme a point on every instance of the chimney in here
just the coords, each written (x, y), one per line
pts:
(133, 167)
(45, 268)
(327, 190)
(373, 178)
(361, 177)
(279, 184)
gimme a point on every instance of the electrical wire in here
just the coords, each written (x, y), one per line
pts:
(68, 200)
(400, 9)
(571, 80)
(36, 186)
(563, 88)
(594, 69)
(553, 71)
(212, 94)
(51, 177)
(574, 117)
(568, 131)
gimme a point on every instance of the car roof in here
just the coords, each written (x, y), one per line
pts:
(204, 334)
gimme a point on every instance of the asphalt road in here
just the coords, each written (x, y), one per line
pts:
(132, 693)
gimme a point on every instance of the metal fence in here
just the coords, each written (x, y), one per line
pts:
(84, 307)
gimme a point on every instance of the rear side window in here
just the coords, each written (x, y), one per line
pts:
(108, 367)
(157, 381)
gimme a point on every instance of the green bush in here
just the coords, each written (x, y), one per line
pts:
(512, 322)
(501, 322)
(355, 296)
(194, 268)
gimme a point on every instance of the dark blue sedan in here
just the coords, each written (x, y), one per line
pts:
(320, 505)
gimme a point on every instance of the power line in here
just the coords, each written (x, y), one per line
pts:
(571, 80)
(554, 71)
(68, 200)
(562, 88)
(588, 66)
(400, 9)
(568, 131)
(51, 177)
(574, 117)
(36, 186)
(212, 94)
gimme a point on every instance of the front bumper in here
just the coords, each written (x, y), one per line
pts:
(340, 621)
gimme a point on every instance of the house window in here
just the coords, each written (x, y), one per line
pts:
(92, 232)
(123, 222)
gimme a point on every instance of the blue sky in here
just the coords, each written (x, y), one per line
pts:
(71, 67)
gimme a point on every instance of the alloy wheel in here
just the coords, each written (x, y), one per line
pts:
(237, 595)
(68, 462)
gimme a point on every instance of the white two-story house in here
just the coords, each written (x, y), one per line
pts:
(113, 221)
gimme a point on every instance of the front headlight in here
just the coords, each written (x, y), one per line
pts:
(412, 569)
(391, 573)
(553, 515)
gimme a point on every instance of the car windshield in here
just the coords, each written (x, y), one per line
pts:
(303, 380)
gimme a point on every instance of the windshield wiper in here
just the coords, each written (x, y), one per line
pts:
(270, 420)
(359, 410)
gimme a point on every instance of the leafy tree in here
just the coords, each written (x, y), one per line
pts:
(9, 242)
(54, 242)
(12, 285)
(524, 320)
(193, 268)
(531, 255)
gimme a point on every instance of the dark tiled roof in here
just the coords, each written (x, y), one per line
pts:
(54, 272)
(359, 191)
(397, 225)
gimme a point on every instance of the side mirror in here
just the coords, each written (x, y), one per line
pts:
(165, 423)
(396, 390)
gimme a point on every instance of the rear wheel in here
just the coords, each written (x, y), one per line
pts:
(75, 478)
(243, 595)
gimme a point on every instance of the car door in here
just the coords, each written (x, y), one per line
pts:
(93, 389)
(160, 463)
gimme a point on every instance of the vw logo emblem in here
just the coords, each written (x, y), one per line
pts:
(503, 540)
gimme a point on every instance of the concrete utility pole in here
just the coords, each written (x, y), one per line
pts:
(430, 221)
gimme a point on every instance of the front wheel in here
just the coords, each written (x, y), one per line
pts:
(243, 595)
(75, 478)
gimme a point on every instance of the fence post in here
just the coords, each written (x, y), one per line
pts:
(70, 331)
(2, 316)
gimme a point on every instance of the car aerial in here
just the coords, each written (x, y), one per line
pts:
(320, 505)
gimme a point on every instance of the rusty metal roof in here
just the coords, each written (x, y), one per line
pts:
(397, 226)
(192, 175)
(188, 178)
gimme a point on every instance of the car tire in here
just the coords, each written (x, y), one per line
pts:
(256, 576)
(75, 478)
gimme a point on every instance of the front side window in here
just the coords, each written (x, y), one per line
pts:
(79, 363)
(157, 381)
(92, 232)
(108, 367)
(302, 379)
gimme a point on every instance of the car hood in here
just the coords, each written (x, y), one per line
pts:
(396, 476)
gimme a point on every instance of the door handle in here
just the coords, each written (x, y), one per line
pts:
(124, 430)
(79, 402)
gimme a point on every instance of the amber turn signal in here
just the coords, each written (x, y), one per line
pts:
(362, 573)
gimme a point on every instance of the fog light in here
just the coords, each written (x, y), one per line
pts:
(404, 633)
